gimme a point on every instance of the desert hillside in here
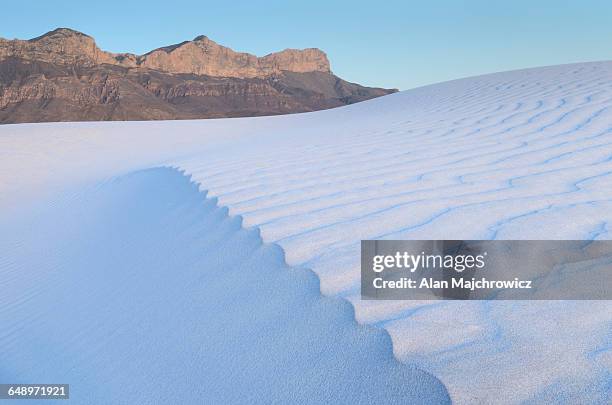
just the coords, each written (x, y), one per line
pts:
(64, 76)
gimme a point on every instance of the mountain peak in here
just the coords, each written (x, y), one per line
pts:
(62, 46)
(202, 56)
(61, 32)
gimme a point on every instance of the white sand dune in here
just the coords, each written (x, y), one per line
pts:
(141, 290)
(516, 155)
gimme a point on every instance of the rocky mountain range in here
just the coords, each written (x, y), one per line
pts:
(64, 76)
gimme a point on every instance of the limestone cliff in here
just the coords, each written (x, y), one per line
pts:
(64, 76)
(202, 56)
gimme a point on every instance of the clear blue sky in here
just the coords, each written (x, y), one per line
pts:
(400, 44)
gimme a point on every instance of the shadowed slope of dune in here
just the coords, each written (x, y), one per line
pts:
(142, 290)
